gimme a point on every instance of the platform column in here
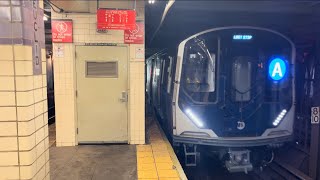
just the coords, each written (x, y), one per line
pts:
(24, 151)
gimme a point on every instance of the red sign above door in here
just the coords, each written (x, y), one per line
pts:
(135, 36)
(61, 31)
(116, 19)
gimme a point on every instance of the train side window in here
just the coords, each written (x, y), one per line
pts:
(163, 63)
(156, 70)
(169, 72)
(199, 65)
(198, 78)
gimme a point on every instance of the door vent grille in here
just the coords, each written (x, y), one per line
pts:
(102, 69)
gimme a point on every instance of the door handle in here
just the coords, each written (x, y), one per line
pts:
(124, 96)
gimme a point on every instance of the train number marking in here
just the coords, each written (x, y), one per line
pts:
(315, 115)
(241, 125)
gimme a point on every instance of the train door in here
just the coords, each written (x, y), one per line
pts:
(160, 88)
(155, 82)
(102, 86)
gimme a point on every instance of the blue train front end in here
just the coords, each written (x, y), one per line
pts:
(234, 90)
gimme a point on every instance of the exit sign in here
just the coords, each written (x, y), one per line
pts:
(116, 19)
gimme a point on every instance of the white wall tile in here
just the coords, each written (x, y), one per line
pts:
(25, 98)
(39, 122)
(22, 52)
(37, 80)
(38, 95)
(42, 173)
(6, 52)
(6, 68)
(40, 149)
(28, 157)
(23, 67)
(28, 172)
(38, 108)
(8, 158)
(6, 83)
(9, 172)
(7, 114)
(27, 143)
(41, 161)
(8, 129)
(40, 135)
(8, 144)
(26, 128)
(26, 113)
(24, 83)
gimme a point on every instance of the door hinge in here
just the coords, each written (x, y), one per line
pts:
(77, 130)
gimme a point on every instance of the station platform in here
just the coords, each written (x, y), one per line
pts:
(155, 160)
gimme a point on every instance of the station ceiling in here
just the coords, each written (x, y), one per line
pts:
(300, 20)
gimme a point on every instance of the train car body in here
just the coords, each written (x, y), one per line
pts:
(231, 88)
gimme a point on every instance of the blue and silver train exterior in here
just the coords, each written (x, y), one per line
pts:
(226, 87)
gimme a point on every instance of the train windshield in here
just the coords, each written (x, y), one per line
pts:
(243, 72)
(199, 71)
(236, 59)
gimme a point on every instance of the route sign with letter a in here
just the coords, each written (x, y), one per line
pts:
(277, 69)
(315, 115)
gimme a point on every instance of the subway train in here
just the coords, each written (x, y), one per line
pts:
(227, 90)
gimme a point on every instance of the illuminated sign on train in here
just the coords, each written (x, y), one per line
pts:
(277, 69)
(242, 37)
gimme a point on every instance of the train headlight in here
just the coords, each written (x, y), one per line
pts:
(279, 117)
(194, 118)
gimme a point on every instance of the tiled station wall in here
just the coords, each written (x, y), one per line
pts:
(84, 31)
(24, 151)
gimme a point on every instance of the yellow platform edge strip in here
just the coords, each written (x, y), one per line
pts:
(174, 158)
(158, 160)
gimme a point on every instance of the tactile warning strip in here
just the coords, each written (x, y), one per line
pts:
(157, 160)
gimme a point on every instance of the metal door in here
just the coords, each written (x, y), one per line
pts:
(102, 94)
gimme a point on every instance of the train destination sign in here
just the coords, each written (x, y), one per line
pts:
(277, 69)
(116, 19)
(61, 31)
(242, 37)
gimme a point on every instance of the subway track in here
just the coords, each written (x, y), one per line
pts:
(210, 168)
(278, 170)
(214, 172)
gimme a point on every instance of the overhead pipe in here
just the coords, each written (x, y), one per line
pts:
(61, 10)
(165, 12)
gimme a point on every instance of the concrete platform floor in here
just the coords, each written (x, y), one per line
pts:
(93, 162)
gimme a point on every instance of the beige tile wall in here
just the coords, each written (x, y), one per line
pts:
(24, 151)
(84, 31)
